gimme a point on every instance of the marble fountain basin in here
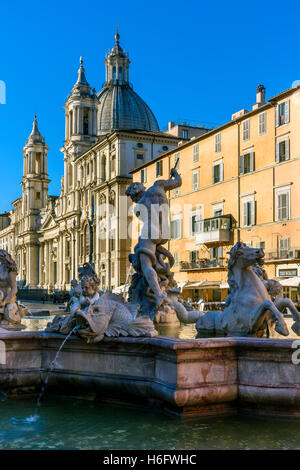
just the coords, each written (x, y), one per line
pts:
(187, 377)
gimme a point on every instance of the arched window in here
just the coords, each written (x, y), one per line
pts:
(38, 163)
(114, 74)
(86, 121)
(120, 74)
(103, 168)
(70, 175)
(87, 240)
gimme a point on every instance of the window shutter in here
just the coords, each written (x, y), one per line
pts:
(252, 216)
(244, 214)
(222, 172)
(287, 149)
(277, 116)
(241, 164)
(277, 152)
(213, 174)
(252, 166)
(288, 205)
(287, 111)
(179, 228)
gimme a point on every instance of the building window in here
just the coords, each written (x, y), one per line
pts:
(282, 111)
(261, 245)
(38, 162)
(176, 228)
(246, 129)
(185, 134)
(143, 175)
(86, 121)
(283, 204)
(112, 270)
(38, 195)
(195, 152)
(175, 255)
(262, 123)
(218, 143)
(216, 253)
(282, 150)
(248, 212)
(246, 163)
(218, 173)
(284, 247)
(139, 145)
(159, 168)
(194, 224)
(176, 160)
(195, 180)
(194, 256)
(165, 148)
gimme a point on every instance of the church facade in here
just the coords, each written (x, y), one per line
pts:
(107, 134)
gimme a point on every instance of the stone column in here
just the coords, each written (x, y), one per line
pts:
(67, 127)
(78, 119)
(90, 118)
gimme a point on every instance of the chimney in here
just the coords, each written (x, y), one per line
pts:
(260, 97)
(170, 125)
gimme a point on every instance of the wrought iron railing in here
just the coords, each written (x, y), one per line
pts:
(204, 263)
(288, 253)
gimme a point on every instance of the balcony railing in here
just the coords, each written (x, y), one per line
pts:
(290, 253)
(204, 263)
(214, 230)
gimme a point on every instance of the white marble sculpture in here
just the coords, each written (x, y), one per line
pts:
(250, 309)
(11, 312)
(97, 316)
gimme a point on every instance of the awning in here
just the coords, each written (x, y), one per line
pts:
(203, 285)
(290, 282)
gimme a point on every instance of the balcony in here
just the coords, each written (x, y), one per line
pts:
(282, 255)
(215, 231)
(203, 264)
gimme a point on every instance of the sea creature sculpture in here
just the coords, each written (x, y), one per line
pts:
(250, 308)
(98, 315)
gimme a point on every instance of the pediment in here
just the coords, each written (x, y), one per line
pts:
(49, 222)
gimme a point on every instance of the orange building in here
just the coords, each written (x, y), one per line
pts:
(240, 182)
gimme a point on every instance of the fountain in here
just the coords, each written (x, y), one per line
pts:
(116, 353)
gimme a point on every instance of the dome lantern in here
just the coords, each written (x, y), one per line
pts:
(119, 106)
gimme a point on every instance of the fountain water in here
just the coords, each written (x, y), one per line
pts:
(53, 364)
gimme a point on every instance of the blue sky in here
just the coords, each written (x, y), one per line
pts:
(192, 60)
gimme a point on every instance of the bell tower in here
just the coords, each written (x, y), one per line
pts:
(80, 124)
(35, 194)
(35, 178)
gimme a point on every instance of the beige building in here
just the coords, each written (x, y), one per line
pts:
(240, 182)
(106, 135)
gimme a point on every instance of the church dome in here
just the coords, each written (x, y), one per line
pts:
(119, 106)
